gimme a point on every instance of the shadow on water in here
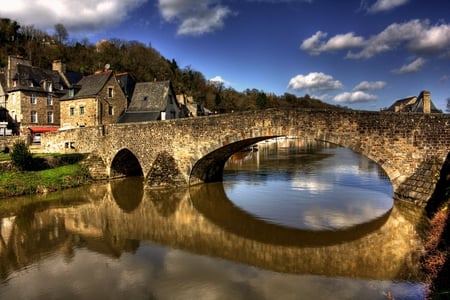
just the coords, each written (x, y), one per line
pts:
(212, 201)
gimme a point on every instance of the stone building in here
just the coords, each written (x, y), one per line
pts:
(153, 101)
(420, 104)
(31, 96)
(96, 99)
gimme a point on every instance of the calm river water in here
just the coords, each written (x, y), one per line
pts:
(293, 220)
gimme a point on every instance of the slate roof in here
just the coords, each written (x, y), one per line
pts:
(148, 101)
(412, 104)
(136, 116)
(91, 85)
(150, 96)
(28, 74)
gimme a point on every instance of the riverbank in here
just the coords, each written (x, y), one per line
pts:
(57, 173)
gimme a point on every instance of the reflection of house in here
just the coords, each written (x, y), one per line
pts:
(32, 96)
(420, 104)
(153, 101)
(96, 99)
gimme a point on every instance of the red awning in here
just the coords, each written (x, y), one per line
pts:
(37, 129)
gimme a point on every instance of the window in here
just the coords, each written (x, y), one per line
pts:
(81, 110)
(49, 99)
(72, 111)
(33, 99)
(145, 98)
(50, 117)
(110, 92)
(34, 116)
(110, 110)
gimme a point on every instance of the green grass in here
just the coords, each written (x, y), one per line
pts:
(24, 183)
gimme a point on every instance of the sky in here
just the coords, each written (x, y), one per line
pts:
(363, 54)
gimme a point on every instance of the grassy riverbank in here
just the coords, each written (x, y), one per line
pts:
(61, 173)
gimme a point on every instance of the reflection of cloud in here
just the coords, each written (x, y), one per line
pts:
(370, 206)
(309, 184)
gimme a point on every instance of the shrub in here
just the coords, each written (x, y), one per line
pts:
(21, 156)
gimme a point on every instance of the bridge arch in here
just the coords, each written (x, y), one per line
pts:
(125, 163)
(210, 167)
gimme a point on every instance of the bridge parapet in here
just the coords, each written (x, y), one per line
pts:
(411, 148)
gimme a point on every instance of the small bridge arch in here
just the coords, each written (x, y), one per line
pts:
(125, 163)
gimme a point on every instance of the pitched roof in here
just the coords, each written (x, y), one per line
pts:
(135, 116)
(91, 85)
(150, 96)
(28, 74)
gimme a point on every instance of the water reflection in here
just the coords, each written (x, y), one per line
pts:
(212, 202)
(308, 185)
(105, 241)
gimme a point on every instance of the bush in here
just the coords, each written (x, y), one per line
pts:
(21, 156)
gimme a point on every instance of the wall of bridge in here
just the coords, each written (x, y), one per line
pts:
(411, 148)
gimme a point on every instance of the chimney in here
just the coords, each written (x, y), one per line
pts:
(426, 98)
(59, 66)
(13, 61)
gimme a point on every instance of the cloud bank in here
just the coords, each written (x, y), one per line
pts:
(416, 36)
(76, 15)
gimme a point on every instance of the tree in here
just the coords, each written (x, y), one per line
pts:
(61, 33)
(21, 156)
(261, 100)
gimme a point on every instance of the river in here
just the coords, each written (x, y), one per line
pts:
(295, 219)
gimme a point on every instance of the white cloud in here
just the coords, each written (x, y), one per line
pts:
(412, 67)
(352, 97)
(195, 17)
(219, 80)
(315, 81)
(386, 5)
(369, 86)
(416, 36)
(76, 15)
(316, 45)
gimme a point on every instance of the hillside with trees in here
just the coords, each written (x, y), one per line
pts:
(142, 61)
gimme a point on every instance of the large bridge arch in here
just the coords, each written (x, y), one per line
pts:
(209, 168)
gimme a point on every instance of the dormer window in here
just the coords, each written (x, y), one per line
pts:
(30, 83)
(71, 92)
(14, 83)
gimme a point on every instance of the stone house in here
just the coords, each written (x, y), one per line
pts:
(96, 99)
(153, 101)
(419, 104)
(31, 97)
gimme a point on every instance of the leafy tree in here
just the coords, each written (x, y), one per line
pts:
(21, 156)
(261, 100)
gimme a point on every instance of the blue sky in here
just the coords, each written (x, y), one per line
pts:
(364, 54)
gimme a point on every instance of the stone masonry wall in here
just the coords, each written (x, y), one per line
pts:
(411, 148)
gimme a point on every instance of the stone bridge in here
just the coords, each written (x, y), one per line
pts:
(411, 148)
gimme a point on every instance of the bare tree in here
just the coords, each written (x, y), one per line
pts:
(61, 33)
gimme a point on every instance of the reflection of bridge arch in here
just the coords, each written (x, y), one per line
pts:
(211, 201)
